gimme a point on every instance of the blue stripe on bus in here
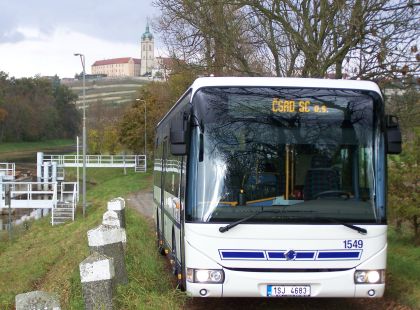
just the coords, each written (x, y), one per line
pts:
(333, 254)
(276, 255)
(281, 255)
(299, 255)
(305, 255)
(232, 254)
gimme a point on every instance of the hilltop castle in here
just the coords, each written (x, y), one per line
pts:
(146, 65)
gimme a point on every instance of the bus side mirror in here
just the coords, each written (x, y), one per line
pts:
(393, 135)
(178, 137)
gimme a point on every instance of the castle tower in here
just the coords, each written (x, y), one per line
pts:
(147, 52)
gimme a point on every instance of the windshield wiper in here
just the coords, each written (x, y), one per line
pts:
(231, 225)
(360, 230)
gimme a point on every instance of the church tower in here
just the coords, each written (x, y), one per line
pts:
(147, 52)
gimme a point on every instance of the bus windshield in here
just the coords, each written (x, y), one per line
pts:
(305, 155)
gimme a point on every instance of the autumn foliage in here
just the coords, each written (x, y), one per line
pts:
(33, 109)
(157, 98)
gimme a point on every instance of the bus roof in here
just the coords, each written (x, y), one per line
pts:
(283, 82)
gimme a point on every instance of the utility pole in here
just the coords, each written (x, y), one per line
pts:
(82, 59)
(145, 123)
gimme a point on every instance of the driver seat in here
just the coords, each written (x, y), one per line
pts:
(320, 177)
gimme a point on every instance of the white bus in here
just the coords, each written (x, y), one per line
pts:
(272, 187)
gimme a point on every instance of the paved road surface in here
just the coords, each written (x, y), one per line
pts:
(143, 201)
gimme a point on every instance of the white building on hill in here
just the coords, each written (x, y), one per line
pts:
(126, 66)
(147, 65)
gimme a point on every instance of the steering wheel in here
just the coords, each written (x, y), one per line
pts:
(332, 193)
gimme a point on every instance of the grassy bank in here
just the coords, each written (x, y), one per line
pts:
(403, 269)
(47, 258)
(30, 146)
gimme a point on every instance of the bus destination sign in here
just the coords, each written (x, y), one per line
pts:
(301, 106)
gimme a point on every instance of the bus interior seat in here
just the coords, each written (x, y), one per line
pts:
(320, 177)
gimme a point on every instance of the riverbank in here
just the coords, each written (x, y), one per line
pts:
(45, 257)
(13, 147)
(23, 154)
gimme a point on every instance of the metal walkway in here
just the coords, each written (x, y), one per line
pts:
(58, 197)
(138, 162)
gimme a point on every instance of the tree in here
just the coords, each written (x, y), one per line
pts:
(309, 38)
(404, 184)
(3, 116)
(110, 140)
(404, 169)
(212, 35)
(158, 97)
(94, 142)
(65, 104)
(35, 109)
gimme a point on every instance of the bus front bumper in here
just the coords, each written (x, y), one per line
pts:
(255, 284)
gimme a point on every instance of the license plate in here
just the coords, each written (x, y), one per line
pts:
(288, 290)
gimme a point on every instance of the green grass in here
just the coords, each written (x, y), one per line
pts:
(47, 258)
(29, 146)
(403, 269)
(150, 285)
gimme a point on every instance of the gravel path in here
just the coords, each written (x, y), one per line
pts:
(142, 202)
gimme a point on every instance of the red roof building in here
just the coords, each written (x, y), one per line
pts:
(116, 67)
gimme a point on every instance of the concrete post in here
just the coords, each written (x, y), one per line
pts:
(54, 172)
(45, 179)
(39, 160)
(38, 214)
(37, 300)
(110, 218)
(97, 274)
(118, 205)
(46, 174)
(107, 240)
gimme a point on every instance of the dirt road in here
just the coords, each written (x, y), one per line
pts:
(143, 201)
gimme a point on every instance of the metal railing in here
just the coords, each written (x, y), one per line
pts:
(69, 191)
(68, 196)
(98, 161)
(7, 171)
(29, 195)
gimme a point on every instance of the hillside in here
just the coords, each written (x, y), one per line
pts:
(112, 92)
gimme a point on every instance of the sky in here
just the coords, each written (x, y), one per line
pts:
(40, 37)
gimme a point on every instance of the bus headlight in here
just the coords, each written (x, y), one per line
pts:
(369, 276)
(205, 275)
